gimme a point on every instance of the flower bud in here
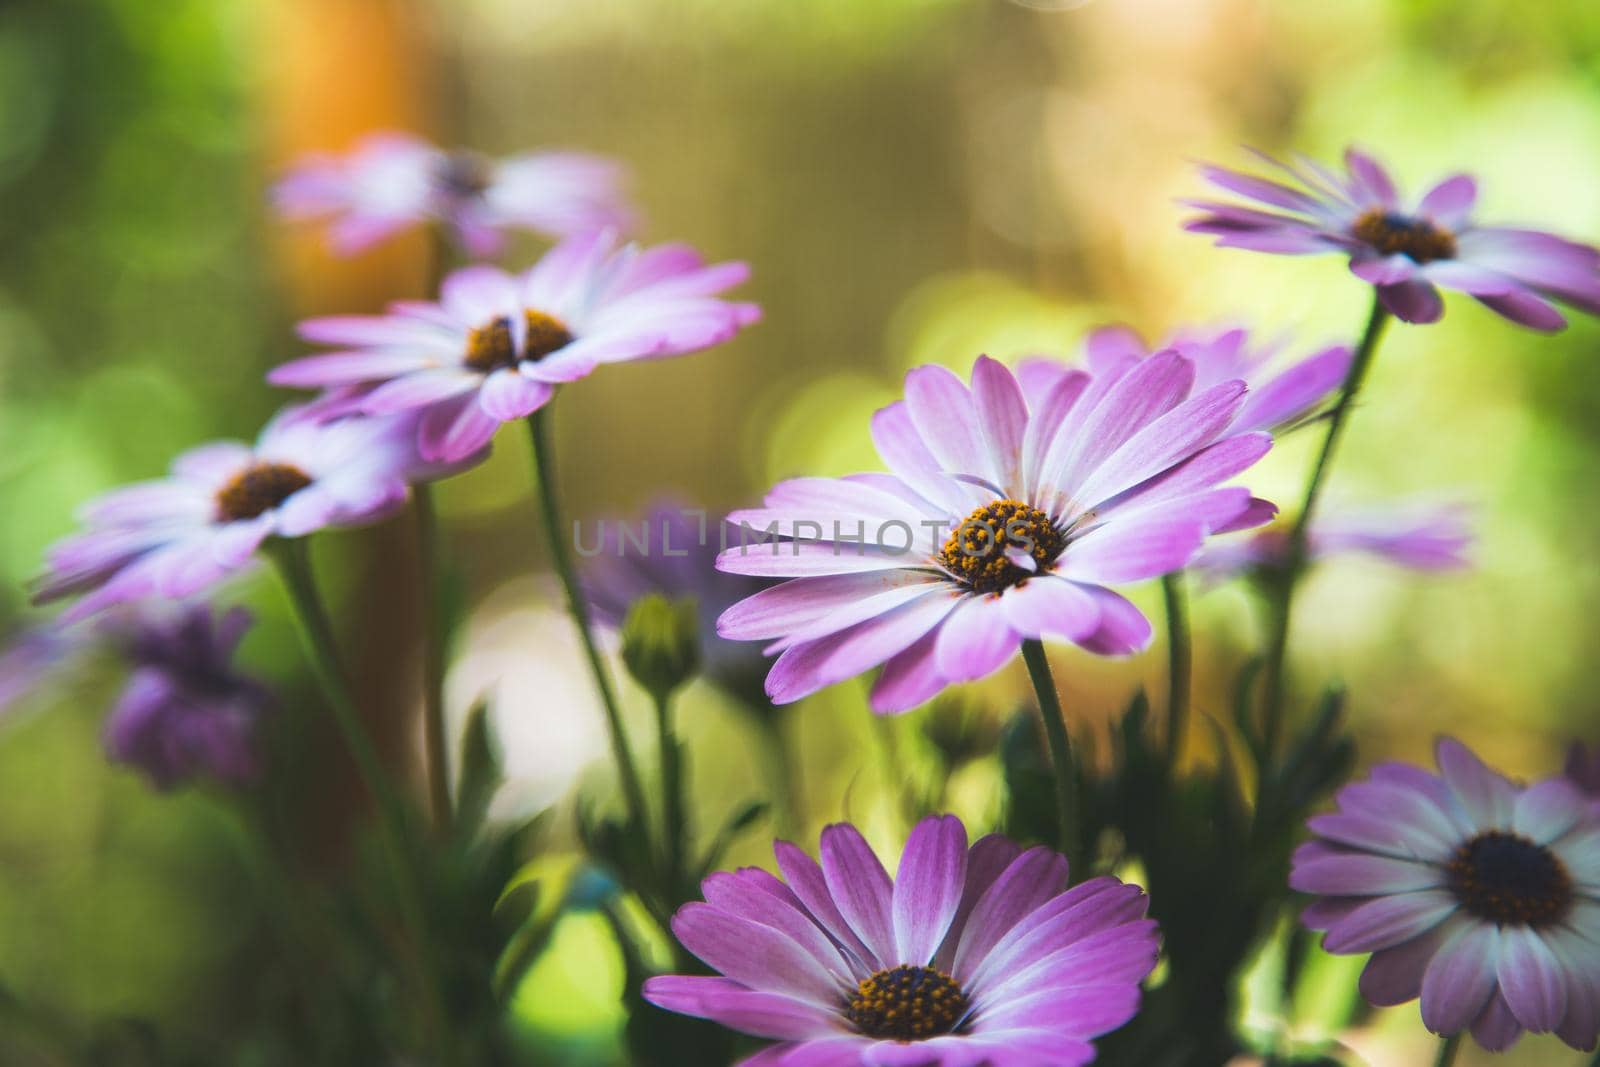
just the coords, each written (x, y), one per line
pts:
(661, 644)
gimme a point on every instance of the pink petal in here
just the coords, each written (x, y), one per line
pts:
(928, 885)
(1414, 301)
(942, 411)
(860, 887)
(805, 668)
(1002, 413)
(507, 395)
(1489, 799)
(754, 955)
(1532, 980)
(749, 1011)
(909, 678)
(1048, 606)
(975, 640)
(1460, 980)
(1385, 921)
(1450, 202)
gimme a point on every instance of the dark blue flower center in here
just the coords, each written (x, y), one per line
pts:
(1393, 233)
(1508, 879)
(907, 1004)
(981, 551)
(259, 488)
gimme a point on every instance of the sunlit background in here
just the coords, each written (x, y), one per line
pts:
(912, 181)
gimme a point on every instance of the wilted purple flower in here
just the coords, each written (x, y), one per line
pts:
(1277, 400)
(496, 345)
(1007, 517)
(1405, 251)
(1583, 768)
(174, 537)
(674, 552)
(1418, 536)
(968, 956)
(1479, 896)
(186, 712)
(392, 181)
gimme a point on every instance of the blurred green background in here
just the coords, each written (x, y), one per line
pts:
(912, 181)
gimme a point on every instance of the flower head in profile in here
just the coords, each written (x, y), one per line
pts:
(390, 182)
(1280, 396)
(1479, 896)
(1417, 536)
(1406, 249)
(186, 711)
(967, 956)
(176, 536)
(1010, 512)
(673, 552)
(496, 345)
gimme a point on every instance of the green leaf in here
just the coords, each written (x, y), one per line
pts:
(481, 773)
(1244, 712)
(737, 823)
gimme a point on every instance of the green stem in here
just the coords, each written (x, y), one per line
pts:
(1447, 1050)
(1055, 730)
(294, 566)
(1180, 664)
(784, 785)
(555, 538)
(436, 741)
(1282, 603)
(672, 800)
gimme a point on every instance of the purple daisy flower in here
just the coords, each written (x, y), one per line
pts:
(1278, 399)
(968, 956)
(1479, 896)
(179, 535)
(391, 181)
(674, 552)
(496, 345)
(1012, 508)
(1405, 250)
(186, 713)
(1417, 536)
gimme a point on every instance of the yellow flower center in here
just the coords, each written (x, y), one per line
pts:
(981, 552)
(907, 1004)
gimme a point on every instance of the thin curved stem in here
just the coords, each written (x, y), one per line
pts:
(555, 538)
(785, 784)
(316, 629)
(435, 737)
(673, 843)
(1282, 601)
(1061, 758)
(1180, 664)
(1447, 1050)
(294, 566)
